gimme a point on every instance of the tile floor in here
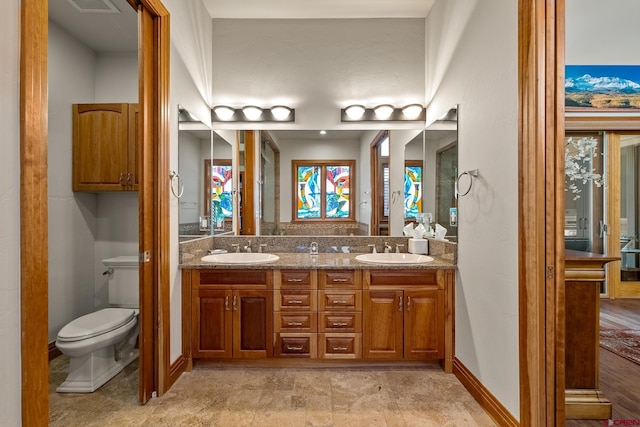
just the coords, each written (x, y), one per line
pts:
(230, 396)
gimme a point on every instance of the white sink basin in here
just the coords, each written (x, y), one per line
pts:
(241, 258)
(394, 258)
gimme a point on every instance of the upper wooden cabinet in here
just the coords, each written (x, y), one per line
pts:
(105, 148)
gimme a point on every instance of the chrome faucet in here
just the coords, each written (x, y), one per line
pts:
(247, 248)
(387, 248)
(262, 245)
(313, 248)
(398, 246)
(237, 246)
(373, 248)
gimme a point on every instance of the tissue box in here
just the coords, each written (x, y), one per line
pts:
(418, 246)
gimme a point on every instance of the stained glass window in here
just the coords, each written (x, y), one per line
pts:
(322, 189)
(412, 191)
(221, 187)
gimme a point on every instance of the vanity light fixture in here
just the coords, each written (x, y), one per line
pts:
(323, 132)
(252, 113)
(355, 112)
(412, 112)
(280, 112)
(223, 113)
(384, 112)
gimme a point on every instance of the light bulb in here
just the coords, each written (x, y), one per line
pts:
(251, 112)
(223, 112)
(280, 112)
(354, 112)
(412, 111)
(384, 111)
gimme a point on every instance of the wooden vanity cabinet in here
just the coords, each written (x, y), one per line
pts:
(404, 314)
(105, 147)
(232, 313)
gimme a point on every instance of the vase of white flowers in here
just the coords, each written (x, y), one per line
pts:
(578, 166)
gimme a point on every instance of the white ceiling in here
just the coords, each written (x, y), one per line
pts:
(107, 32)
(310, 9)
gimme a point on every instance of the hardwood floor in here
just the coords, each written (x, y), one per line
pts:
(619, 377)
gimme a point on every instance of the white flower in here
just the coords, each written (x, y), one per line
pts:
(577, 156)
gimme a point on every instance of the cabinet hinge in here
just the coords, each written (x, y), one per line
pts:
(549, 271)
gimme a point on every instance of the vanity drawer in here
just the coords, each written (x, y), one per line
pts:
(236, 278)
(403, 278)
(331, 300)
(339, 279)
(295, 299)
(340, 322)
(295, 322)
(297, 279)
(296, 345)
(340, 346)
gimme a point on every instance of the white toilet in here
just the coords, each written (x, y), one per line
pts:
(102, 343)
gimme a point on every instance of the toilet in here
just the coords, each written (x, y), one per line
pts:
(103, 343)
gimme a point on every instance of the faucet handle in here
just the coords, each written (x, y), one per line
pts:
(237, 246)
(373, 248)
(262, 245)
(387, 248)
(398, 246)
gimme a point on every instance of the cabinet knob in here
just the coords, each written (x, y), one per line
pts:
(408, 303)
(226, 303)
(340, 349)
(292, 348)
(400, 303)
(294, 324)
(235, 302)
(121, 179)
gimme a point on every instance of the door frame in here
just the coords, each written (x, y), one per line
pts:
(154, 45)
(541, 27)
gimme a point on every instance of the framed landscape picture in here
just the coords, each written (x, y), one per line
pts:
(602, 88)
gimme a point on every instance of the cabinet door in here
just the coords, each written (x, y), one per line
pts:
(253, 323)
(382, 324)
(212, 324)
(424, 324)
(100, 147)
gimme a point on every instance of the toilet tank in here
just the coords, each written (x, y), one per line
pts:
(124, 290)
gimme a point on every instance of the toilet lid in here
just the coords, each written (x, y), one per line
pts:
(96, 323)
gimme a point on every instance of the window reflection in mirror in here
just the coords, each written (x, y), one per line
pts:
(194, 150)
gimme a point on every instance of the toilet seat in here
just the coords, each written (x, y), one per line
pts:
(96, 323)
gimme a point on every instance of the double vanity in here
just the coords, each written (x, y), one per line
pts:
(342, 305)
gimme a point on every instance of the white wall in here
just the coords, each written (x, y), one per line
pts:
(318, 66)
(600, 32)
(472, 54)
(10, 403)
(190, 86)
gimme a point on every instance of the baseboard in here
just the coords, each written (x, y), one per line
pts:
(53, 351)
(488, 401)
(176, 369)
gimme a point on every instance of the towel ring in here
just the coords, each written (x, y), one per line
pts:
(472, 174)
(175, 175)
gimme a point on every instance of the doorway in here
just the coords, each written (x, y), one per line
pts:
(153, 203)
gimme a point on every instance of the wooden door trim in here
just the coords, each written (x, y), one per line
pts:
(34, 270)
(34, 204)
(153, 197)
(541, 210)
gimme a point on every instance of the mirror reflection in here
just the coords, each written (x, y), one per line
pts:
(340, 182)
(194, 151)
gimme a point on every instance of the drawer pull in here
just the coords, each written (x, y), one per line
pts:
(340, 349)
(294, 301)
(339, 280)
(292, 348)
(339, 324)
(226, 303)
(294, 324)
(340, 302)
(294, 280)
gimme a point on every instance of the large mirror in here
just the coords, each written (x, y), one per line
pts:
(337, 182)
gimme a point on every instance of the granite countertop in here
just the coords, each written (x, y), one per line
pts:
(307, 261)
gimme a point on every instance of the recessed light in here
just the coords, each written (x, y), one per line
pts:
(323, 132)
